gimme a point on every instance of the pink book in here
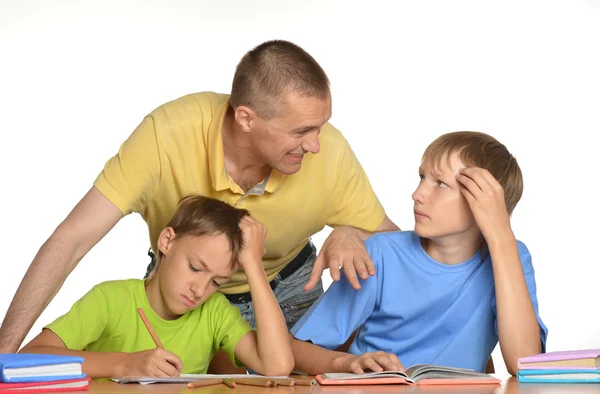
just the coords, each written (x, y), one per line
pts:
(570, 359)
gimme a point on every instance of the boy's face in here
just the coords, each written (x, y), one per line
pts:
(440, 208)
(192, 269)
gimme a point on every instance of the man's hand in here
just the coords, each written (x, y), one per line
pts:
(254, 234)
(154, 362)
(344, 248)
(376, 362)
(485, 196)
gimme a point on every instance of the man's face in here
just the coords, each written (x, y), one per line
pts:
(440, 208)
(283, 140)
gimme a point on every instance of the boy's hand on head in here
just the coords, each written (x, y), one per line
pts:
(344, 248)
(376, 362)
(485, 196)
(253, 249)
(153, 362)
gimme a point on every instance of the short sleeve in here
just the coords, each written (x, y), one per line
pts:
(228, 326)
(354, 202)
(333, 318)
(85, 322)
(131, 176)
(529, 274)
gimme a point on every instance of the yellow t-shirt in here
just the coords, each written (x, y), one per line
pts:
(106, 320)
(178, 150)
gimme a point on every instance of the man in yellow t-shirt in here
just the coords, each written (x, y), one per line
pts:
(267, 148)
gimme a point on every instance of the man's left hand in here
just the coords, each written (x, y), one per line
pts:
(345, 249)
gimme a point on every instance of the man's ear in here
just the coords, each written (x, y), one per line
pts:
(245, 117)
(165, 240)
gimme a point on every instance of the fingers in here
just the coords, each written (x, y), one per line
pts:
(482, 177)
(367, 260)
(172, 359)
(165, 368)
(316, 273)
(349, 271)
(388, 361)
(469, 184)
(376, 362)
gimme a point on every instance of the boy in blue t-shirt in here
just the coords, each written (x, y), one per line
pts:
(445, 293)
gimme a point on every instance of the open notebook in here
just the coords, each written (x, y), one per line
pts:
(421, 374)
(186, 378)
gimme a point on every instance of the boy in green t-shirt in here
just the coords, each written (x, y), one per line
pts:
(205, 242)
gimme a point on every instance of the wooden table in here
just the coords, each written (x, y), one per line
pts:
(510, 386)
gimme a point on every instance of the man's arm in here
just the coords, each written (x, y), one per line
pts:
(91, 219)
(345, 248)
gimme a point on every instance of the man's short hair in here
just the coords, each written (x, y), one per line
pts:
(273, 69)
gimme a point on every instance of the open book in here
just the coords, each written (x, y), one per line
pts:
(421, 374)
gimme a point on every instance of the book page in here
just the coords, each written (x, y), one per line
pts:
(369, 375)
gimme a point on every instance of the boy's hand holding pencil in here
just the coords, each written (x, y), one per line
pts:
(153, 362)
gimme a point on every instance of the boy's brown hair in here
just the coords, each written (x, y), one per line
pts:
(197, 215)
(484, 151)
(271, 69)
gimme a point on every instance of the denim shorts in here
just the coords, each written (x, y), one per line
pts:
(290, 294)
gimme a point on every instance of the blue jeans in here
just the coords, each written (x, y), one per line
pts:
(290, 294)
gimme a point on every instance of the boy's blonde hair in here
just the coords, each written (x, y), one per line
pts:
(198, 215)
(271, 69)
(484, 151)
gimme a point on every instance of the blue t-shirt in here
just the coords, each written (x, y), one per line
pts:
(421, 310)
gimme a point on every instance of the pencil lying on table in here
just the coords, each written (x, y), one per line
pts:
(305, 382)
(254, 382)
(282, 382)
(204, 382)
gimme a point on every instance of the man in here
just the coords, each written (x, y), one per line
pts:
(248, 149)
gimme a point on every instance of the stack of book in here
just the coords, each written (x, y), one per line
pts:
(575, 366)
(20, 373)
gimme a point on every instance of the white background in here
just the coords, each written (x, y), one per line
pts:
(76, 77)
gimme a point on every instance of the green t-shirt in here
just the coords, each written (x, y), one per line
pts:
(106, 320)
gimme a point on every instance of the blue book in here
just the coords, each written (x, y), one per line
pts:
(558, 376)
(22, 368)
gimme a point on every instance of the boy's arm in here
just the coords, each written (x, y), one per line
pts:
(518, 328)
(266, 350)
(96, 365)
(155, 362)
(315, 360)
